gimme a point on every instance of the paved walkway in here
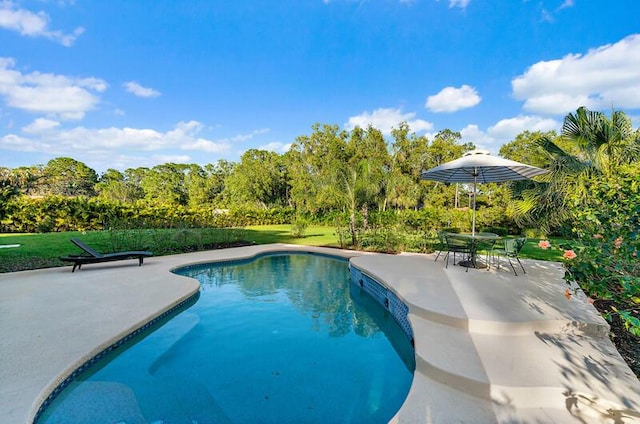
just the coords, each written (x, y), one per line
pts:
(490, 347)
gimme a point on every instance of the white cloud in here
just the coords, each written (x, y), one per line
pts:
(81, 139)
(40, 125)
(245, 137)
(566, 4)
(385, 119)
(506, 130)
(172, 158)
(276, 146)
(204, 145)
(605, 77)
(120, 147)
(140, 91)
(451, 99)
(462, 4)
(547, 16)
(21, 144)
(59, 96)
(32, 24)
(473, 134)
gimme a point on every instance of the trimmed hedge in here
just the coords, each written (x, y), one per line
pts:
(24, 214)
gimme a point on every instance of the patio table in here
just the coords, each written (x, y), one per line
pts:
(475, 240)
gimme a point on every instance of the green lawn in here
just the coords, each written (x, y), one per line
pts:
(43, 250)
(315, 235)
(532, 251)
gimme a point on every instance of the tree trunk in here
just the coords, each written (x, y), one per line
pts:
(352, 229)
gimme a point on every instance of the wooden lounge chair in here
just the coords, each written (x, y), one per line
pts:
(90, 256)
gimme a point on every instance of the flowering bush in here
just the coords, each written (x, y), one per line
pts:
(544, 244)
(608, 226)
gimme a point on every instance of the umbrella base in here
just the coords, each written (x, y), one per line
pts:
(472, 264)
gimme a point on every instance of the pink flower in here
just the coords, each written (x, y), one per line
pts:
(544, 244)
(590, 300)
(567, 294)
(618, 242)
(569, 254)
(598, 236)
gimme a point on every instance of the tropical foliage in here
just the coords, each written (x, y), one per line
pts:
(591, 146)
(608, 228)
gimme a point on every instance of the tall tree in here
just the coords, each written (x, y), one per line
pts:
(356, 188)
(69, 177)
(116, 187)
(318, 163)
(259, 179)
(216, 176)
(29, 180)
(8, 189)
(369, 146)
(408, 160)
(164, 184)
(444, 147)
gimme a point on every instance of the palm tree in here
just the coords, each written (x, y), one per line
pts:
(357, 190)
(591, 145)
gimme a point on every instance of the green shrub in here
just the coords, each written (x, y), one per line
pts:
(608, 227)
(534, 233)
(299, 227)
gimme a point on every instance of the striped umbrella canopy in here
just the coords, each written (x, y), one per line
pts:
(478, 166)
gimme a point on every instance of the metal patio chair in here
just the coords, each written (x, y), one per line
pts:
(511, 250)
(464, 246)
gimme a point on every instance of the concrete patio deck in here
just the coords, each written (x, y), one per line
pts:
(490, 347)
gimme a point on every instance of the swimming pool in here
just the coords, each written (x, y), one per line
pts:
(282, 338)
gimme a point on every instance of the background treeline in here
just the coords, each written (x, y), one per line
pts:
(330, 176)
(353, 180)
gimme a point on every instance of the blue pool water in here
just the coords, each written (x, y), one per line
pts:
(280, 339)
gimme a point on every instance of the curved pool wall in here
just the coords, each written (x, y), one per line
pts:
(149, 326)
(378, 292)
(385, 297)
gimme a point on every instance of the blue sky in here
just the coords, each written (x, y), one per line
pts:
(129, 83)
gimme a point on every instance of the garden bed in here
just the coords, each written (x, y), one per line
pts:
(627, 344)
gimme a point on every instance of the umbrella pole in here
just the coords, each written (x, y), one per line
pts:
(473, 211)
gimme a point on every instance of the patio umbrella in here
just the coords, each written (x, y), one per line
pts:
(478, 166)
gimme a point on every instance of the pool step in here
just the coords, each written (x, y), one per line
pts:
(557, 370)
(510, 372)
(455, 363)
